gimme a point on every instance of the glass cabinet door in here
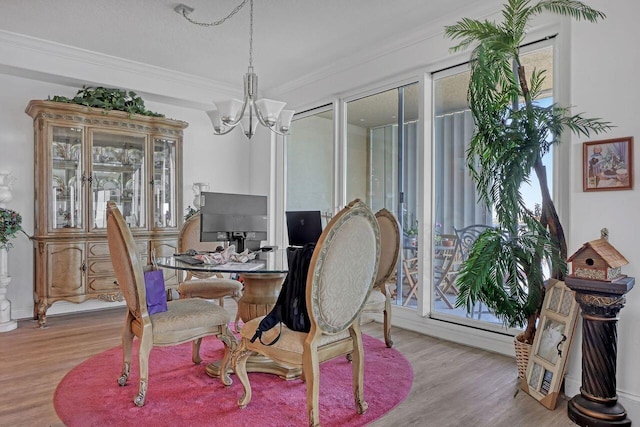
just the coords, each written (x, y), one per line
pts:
(165, 213)
(118, 174)
(66, 178)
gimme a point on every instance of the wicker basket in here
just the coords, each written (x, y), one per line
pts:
(522, 357)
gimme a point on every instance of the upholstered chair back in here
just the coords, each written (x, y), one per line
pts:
(343, 268)
(126, 261)
(389, 246)
(189, 238)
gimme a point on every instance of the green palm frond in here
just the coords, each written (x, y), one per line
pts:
(516, 16)
(469, 30)
(581, 125)
(575, 9)
(536, 83)
(504, 271)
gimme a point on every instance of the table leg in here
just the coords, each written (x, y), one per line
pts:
(258, 298)
(260, 294)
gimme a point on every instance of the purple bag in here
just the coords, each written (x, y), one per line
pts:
(156, 294)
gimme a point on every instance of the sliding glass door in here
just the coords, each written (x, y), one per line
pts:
(309, 163)
(382, 168)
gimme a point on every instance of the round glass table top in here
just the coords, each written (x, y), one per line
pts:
(274, 261)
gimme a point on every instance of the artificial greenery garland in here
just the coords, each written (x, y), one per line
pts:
(108, 99)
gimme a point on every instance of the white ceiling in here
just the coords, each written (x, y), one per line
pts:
(292, 38)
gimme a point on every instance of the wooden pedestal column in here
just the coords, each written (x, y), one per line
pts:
(597, 404)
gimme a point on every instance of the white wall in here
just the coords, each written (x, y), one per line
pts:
(604, 65)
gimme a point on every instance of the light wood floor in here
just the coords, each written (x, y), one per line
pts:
(454, 385)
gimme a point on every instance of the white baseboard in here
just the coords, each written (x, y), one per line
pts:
(65, 307)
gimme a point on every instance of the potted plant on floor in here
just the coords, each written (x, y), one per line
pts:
(504, 269)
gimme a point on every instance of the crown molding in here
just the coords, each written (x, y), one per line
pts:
(428, 31)
(26, 56)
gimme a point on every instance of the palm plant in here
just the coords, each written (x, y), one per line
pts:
(504, 267)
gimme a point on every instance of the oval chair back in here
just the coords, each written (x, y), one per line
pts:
(126, 261)
(189, 238)
(341, 275)
(343, 268)
(389, 247)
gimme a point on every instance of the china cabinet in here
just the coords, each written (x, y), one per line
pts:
(85, 157)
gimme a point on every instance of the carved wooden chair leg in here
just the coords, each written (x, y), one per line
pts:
(195, 351)
(143, 354)
(311, 372)
(236, 322)
(230, 346)
(127, 341)
(358, 372)
(387, 322)
(239, 363)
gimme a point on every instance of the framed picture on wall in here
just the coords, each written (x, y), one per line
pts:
(608, 164)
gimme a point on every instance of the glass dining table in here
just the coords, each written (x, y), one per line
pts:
(262, 278)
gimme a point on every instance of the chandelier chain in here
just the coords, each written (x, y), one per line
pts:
(251, 34)
(221, 21)
(185, 14)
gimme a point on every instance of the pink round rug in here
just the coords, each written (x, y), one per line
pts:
(181, 393)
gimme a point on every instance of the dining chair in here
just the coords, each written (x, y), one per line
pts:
(380, 297)
(446, 262)
(410, 269)
(341, 275)
(200, 284)
(184, 320)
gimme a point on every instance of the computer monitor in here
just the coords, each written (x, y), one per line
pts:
(303, 227)
(238, 218)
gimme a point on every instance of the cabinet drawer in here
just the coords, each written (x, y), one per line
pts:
(101, 249)
(101, 267)
(102, 284)
(104, 267)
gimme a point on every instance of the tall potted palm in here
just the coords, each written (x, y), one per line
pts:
(504, 269)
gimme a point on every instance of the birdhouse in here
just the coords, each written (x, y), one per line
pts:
(597, 260)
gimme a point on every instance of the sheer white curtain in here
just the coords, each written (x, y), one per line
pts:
(456, 202)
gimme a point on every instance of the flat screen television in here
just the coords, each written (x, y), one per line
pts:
(303, 227)
(237, 218)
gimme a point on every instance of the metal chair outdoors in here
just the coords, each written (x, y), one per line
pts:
(185, 320)
(446, 261)
(341, 275)
(410, 270)
(466, 236)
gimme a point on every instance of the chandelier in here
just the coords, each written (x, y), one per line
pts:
(250, 111)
